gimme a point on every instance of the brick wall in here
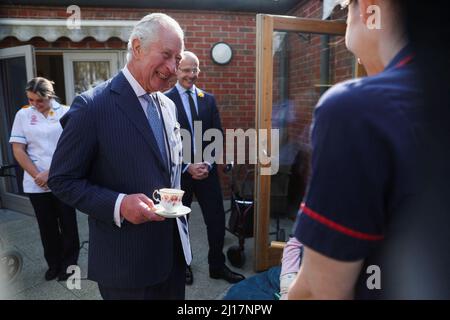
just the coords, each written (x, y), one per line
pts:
(304, 56)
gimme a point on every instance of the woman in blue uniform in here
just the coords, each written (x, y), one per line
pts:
(35, 133)
(366, 139)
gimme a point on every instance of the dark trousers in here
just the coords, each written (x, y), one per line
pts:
(209, 195)
(58, 228)
(173, 288)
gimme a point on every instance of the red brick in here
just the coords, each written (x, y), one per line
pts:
(203, 22)
(79, 45)
(61, 43)
(23, 13)
(202, 34)
(115, 43)
(96, 44)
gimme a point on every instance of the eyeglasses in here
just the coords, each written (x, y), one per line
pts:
(190, 70)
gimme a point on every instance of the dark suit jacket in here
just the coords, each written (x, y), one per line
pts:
(107, 147)
(207, 112)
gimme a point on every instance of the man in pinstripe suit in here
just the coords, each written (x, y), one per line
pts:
(121, 141)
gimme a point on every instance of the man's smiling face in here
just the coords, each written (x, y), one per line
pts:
(157, 62)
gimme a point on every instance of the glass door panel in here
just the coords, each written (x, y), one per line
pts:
(297, 61)
(16, 69)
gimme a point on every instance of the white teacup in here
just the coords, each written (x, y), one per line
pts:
(170, 199)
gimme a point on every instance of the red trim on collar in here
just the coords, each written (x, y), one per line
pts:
(405, 61)
(337, 227)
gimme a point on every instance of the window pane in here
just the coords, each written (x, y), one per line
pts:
(304, 67)
(89, 74)
(13, 78)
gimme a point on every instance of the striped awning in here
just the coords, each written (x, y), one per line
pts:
(52, 29)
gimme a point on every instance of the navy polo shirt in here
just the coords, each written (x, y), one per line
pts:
(364, 147)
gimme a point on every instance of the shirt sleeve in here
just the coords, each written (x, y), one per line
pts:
(17, 132)
(290, 262)
(117, 218)
(342, 216)
(186, 166)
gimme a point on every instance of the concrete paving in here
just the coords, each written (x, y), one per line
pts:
(19, 232)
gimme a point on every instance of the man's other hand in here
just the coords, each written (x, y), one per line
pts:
(198, 171)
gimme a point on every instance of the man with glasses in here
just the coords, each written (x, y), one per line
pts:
(199, 176)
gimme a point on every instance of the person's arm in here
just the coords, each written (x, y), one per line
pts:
(22, 157)
(290, 261)
(321, 277)
(71, 164)
(19, 144)
(290, 264)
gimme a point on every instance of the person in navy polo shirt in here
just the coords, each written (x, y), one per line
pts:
(365, 141)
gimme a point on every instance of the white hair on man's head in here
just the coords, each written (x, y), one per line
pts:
(147, 30)
(190, 55)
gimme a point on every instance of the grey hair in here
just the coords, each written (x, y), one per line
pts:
(191, 55)
(42, 87)
(147, 29)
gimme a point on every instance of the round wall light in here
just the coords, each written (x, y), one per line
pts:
(221, 53)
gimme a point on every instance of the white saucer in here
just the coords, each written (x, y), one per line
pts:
(181, 211)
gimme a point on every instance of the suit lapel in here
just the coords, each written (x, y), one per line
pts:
(131, 107)
(202, 107)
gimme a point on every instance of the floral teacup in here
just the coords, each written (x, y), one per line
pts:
(170, 199)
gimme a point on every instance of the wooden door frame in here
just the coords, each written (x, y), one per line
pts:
(265, 254)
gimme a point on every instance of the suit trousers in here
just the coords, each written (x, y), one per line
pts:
(209, 195)
(171, 289)
(58, 228)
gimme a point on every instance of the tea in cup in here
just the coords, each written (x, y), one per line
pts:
(170, 199)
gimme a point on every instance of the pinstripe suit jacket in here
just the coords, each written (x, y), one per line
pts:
(106, 148)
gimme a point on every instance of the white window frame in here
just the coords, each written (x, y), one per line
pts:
(26, 51)
(123, 58)
(69, 57)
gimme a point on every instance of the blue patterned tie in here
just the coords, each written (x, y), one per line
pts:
(156, 124)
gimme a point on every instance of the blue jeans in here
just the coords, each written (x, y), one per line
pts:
(262, 286)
